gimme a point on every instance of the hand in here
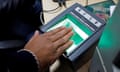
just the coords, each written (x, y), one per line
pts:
(49, 46)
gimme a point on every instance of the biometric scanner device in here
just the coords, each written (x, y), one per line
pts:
(87, 29)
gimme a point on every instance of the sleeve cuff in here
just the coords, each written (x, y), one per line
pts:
(30, 55)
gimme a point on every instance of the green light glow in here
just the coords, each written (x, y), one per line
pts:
(106, 40)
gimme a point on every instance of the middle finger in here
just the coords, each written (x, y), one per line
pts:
(63, 40)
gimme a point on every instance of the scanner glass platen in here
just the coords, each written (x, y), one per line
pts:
(81, 32)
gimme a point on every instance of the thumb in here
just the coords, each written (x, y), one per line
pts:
(36, 33)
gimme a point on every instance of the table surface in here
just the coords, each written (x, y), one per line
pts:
(116, 1)
(49, 5)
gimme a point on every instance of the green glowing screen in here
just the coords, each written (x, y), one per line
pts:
(81, 32)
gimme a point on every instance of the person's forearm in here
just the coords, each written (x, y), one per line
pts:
(7, 6)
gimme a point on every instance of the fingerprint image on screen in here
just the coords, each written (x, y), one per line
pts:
(80, 31)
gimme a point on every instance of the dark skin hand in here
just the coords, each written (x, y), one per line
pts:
(49, 46)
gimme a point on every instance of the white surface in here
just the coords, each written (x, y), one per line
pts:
(112, 8)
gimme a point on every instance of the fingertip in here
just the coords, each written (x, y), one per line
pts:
(71, 32)
(71, 27)
(71, 41)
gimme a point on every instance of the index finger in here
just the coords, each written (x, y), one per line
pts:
(53, 31)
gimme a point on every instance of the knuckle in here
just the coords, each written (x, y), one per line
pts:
(49, 45)
(48, 38)
(62, 40)
(57, 35)
(59, 42)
